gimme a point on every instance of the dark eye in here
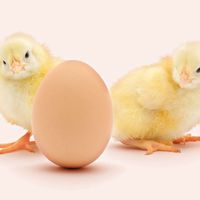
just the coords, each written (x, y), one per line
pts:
(27, 54)
(198, 70)
(4, 62)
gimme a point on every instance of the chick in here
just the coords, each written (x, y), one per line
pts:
(155, 105)
(23, 64)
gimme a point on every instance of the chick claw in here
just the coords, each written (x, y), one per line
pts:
(22, 143)
(161, 147)
(150, 145)
(186, 138)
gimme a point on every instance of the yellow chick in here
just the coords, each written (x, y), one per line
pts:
(23, 64)
(155, 105)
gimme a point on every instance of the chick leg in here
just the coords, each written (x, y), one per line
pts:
(22, 143)
(186, 138)
(6, 144)
(150, 145)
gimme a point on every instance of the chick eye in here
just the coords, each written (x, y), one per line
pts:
(27, 55)
(4, 62)
(198, 70)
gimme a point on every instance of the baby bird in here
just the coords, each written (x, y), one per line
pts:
(23, 64)
(155, 105)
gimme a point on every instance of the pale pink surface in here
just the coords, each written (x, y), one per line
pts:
(113, 37)
(119, 173)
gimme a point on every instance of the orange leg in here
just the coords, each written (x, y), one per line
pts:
(186, 138)
(22, 143)
(150, 146)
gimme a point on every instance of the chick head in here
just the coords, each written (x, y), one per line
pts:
(21, 56)
(186, 65)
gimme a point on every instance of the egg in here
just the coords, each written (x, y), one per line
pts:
(72, 115)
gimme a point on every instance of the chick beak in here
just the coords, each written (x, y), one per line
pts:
(185, 78)
(16, 65)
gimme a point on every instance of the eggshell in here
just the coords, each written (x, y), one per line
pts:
(72, 115)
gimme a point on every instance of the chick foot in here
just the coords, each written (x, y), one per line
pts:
(186, 138)
(22, 143)
(150, 146)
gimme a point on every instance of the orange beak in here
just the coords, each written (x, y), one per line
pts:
(16, 65)
(185, 78)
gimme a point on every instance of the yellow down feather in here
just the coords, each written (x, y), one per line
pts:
(16, 96)
(149, 104)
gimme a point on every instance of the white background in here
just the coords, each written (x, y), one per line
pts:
(113, 37)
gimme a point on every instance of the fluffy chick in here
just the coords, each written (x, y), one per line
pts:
(155, 105)
(23, 64)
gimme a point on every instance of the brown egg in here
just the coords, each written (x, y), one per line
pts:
(72, 115)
